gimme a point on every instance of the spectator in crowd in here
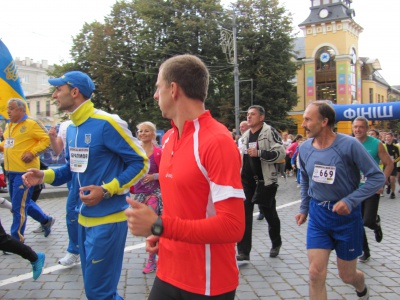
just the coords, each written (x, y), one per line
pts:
(394, 153)
(281, 165)
(242, 148)
(291, 149)
(296, 161)
(264, 149)
(147, 190)
(287, 140)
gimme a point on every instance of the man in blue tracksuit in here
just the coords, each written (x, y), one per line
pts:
(103, 161)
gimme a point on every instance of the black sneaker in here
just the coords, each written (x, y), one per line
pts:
(364, 258)
(275, 251)
(388, 189)
(260, 216)
(392, 196)
(378, 231)
(363, 295)
(48, 225)
(242, 257)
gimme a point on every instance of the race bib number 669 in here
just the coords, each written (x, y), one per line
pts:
(324, 174)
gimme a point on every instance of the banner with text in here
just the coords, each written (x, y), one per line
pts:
(376, 111)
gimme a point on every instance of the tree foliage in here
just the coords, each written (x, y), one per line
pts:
(265, 55)
(122, 55)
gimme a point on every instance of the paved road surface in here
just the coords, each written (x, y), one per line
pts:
(284, 277)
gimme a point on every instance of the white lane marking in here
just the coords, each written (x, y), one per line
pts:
(56, 268)
(282, 206)
(129, 248)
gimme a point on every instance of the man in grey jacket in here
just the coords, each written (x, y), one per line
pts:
(264, 148)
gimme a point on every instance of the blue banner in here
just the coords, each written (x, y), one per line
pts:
(10, 85)
(376, 111)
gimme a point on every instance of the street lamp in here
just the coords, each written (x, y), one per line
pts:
(227, 39)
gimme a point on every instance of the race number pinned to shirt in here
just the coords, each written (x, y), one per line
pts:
(79, 158)
(324, 174)
(9, 143)
(253, 145)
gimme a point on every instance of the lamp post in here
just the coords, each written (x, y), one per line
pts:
(236, 74)
(228, 38)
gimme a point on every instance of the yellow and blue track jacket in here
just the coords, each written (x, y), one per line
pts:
(27, 135)
(100, 151)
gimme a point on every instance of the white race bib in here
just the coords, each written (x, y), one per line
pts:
(79, 158)
(253, 145)
(324, 174)
(9, 143)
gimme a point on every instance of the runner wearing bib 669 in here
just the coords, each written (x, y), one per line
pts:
(330, 194)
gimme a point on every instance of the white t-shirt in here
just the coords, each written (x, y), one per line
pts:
(62, 132)
(286, 143)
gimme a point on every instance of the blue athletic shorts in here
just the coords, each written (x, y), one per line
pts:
(328, 230)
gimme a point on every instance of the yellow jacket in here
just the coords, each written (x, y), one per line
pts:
(27, 135)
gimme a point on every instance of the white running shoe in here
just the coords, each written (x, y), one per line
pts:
(69, 259)
(4, 203)
(40, 229)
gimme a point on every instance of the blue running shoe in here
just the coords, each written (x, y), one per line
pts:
(37, 266)
(48, 225)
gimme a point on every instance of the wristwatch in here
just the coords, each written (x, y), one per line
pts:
(106, 194)
(157, 228)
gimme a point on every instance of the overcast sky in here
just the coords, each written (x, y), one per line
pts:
(42, 29)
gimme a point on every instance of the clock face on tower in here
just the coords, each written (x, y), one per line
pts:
(323, 13)
(325, 57)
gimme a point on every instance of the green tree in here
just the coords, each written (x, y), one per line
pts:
(265, 55)
(123, 54)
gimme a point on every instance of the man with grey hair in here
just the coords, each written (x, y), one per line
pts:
(264, 148)
(369, 208)
(24, 141)
(330, 194)
(243, 127)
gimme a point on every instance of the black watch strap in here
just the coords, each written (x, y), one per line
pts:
(106, 194)
(157, 228)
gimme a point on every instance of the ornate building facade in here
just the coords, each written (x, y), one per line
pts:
(329, 65)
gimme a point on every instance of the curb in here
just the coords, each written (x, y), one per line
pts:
(47, 193)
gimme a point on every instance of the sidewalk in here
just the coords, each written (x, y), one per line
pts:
(284, 277)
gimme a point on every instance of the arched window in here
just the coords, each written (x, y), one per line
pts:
(325, 77)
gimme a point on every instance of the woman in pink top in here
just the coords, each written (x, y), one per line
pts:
(147, 190)
(293, 146)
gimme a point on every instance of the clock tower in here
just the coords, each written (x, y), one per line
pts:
(332, 70)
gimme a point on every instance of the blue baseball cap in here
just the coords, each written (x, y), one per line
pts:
(76, 79)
